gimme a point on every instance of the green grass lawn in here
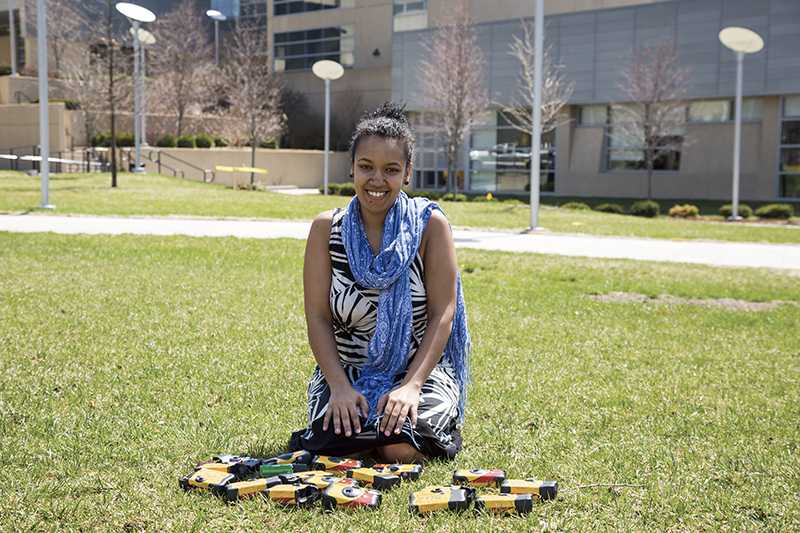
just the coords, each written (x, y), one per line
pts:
(125, 360)
(160, 195)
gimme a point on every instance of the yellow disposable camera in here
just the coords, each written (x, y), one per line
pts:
(322, 480)
(544, 490)
(431, 499)
(405, 471)
(504, 503)
(479, 478)
(294, 494)
(298, 457)
(207, 479)
(337, 464)
(340, 495)
(375, 478)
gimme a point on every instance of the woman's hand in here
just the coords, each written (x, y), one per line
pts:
(398, 404)
(343, 408)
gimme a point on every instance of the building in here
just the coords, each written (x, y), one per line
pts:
(379, 43)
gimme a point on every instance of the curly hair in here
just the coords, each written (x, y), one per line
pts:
(388, 121)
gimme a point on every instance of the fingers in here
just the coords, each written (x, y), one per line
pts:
(337, 424)
(413, 416)
(381, 404)
(327, 418)
(363, 405)
(396, 409)
(345, 415)
(355, 419)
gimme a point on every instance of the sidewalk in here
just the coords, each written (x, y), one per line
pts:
(716, 253)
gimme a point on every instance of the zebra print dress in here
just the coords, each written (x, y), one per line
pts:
(354, 312)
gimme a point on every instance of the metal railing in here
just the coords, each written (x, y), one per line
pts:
(75, 160)
(158, 157)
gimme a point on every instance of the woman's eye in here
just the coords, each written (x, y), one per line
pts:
(364, 167)
(392, 170)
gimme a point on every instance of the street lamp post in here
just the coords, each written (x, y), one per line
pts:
(536, 134)
(742, 41)
(218, 17)
(136, 14)
(327, 70)
(13, 37)
(145, 39)
(44, 112)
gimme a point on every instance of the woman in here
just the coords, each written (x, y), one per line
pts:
(385, 313)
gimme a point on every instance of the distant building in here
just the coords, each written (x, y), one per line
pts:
(379, 43)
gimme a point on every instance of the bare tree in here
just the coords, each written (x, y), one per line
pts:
(556, 90)
(653, 121)
(453, 82)
(70, 25)
(253, 89)
(183, 62)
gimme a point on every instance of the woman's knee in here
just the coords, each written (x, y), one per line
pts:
(400, 453)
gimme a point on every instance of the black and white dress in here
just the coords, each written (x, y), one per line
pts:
(354, 310)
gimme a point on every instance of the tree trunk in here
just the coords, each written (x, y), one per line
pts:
(650, 157)
(253, 141)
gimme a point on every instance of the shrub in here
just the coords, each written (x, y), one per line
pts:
(167, 141)
(684, 211)
(203, 140)
(346, 189)
(5, 70)
(125, 139)
(610, 208)
(580, 206)
(186, 141)
(333, 188)
(454, 197)
(784, 211)
(645, 208)
(100, 139)
(220, 142)
(745, 211)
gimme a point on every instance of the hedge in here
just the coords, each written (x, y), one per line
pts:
(645, 208)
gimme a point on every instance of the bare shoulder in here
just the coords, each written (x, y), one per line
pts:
(437, 231)
(322, 223)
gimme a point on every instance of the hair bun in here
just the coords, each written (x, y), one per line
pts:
(390, 110)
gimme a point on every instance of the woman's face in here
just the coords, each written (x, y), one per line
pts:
(379, 172)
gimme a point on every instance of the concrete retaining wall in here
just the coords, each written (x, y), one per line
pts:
(301, 168)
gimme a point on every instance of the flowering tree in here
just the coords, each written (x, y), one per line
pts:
(453, 82)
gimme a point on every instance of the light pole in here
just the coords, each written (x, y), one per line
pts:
(13, 33)
(327, 70)
(536, 134)
(44, 115)
(218, 17)
(742, 41)
(136, 14)
(145, 39)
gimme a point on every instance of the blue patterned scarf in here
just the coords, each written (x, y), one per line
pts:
(389, 272)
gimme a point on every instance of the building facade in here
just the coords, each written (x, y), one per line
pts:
(594, 45)
(379, 42)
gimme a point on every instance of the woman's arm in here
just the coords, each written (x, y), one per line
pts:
(344, 401)
(440, 286)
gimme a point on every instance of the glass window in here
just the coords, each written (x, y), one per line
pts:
(304, 48)
(593, 115)
(790, 186)
(791, 132)
(791, 106)
(790, 160)
(710, 111)
(751, 109)
(283, 7)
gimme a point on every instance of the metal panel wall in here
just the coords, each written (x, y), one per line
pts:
(595, 46)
